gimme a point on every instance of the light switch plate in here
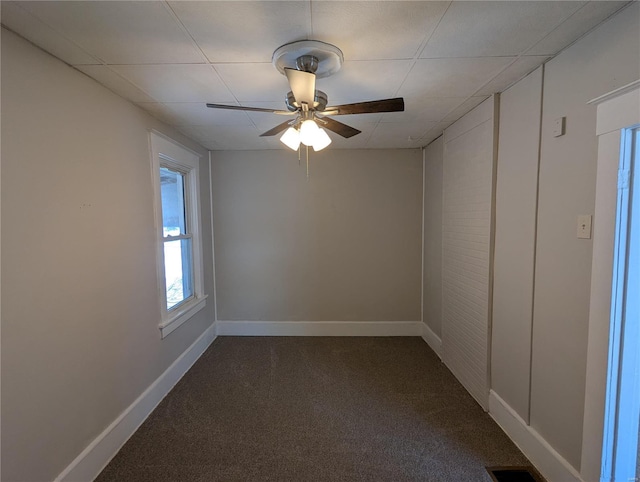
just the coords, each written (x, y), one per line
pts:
(584, 226)
(559, 126)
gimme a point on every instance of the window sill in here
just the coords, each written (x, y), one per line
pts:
(182, 314)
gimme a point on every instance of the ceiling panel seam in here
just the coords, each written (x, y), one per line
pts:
(416, 56)
(184, 29)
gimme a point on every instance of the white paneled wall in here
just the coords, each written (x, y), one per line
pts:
(538, 328)
(516, 202)
(607, 58)
(468, 190)
(432, 248)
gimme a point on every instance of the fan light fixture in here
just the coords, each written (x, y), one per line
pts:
(309, 135)
(291, 138)
(321, 140)
(308, 130)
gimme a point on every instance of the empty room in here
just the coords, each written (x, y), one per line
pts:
(320, 240)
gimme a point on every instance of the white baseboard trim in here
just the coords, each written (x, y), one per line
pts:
(432, 340)
(551, 465)
(98, 453)
(319, 328)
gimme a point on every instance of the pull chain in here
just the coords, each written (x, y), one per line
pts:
(307, 163)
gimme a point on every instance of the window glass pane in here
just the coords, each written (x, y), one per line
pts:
(178, 272)
(173, 214)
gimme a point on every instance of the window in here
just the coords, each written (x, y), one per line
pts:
(177, 238)
(175, 174)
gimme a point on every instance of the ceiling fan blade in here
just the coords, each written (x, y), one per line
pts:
(303, 86)
(251, 109)
(338, 127)
(277, 129)
(384, 105)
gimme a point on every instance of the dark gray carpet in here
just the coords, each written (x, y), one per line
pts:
(316, 408)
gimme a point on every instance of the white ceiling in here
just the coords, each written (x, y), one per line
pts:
(171, 58)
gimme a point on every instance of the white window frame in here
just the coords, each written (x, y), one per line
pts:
(167, 153)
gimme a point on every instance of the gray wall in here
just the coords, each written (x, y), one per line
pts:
(343, 246)
(607, 58)
(432, 276)
(516, 203)
(80, 304)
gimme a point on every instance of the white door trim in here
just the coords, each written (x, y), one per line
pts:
(617, 111)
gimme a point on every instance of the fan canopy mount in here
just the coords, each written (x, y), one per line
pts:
(319, 58)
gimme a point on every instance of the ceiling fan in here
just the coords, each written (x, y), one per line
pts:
(303, 62)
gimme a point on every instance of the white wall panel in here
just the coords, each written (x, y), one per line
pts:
(432, 255)
(516, 202)
(468, 180)
(606, 59)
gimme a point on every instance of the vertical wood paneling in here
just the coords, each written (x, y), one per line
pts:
(468, 178)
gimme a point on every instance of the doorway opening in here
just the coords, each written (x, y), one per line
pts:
(620, 460)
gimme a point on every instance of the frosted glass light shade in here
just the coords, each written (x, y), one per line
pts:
(322, 140)
(291, 138)
(308, 132)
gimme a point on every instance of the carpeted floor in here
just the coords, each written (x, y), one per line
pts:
(316, 408)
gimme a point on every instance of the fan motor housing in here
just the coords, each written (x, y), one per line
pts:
(319, 101)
